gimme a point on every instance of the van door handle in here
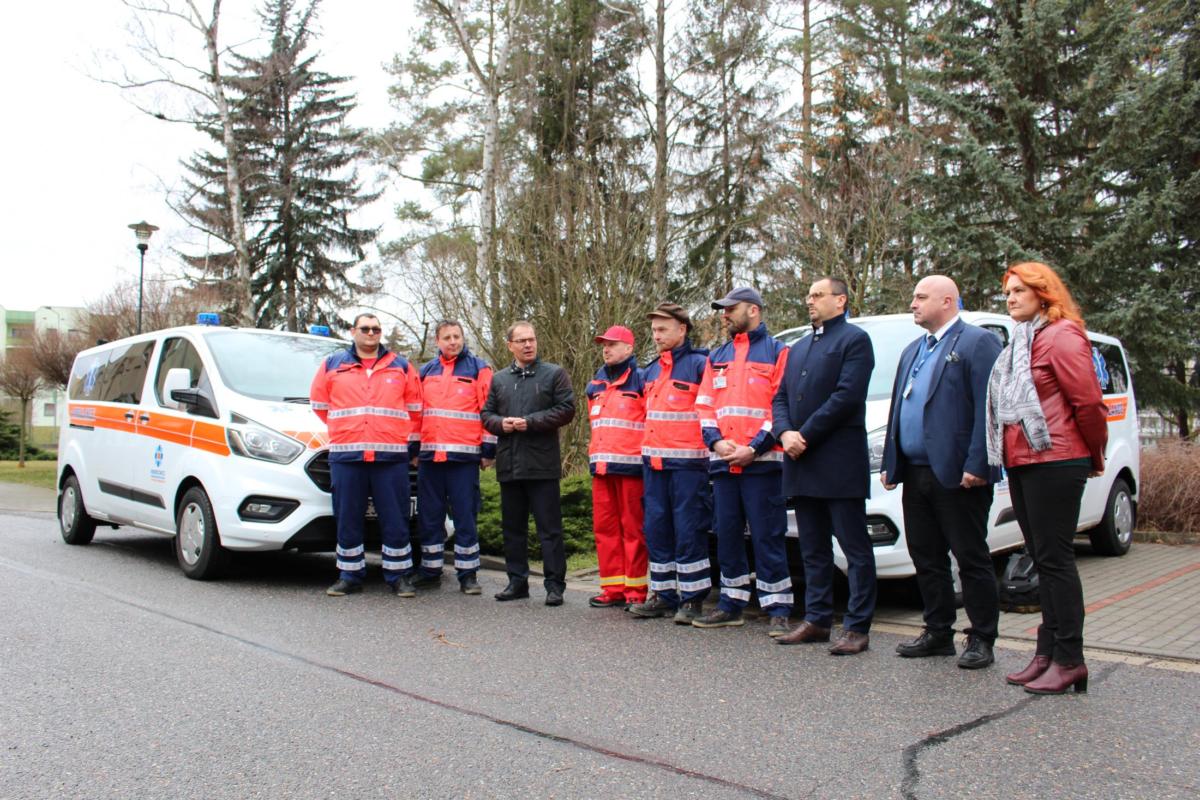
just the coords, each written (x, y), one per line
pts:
(144, 418)
(129, 416)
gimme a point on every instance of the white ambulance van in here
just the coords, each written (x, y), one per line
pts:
(1108, 511)
(203, 433)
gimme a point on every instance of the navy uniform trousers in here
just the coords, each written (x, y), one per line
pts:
(448, 487)
(677, 521)
(757, 498)
(386, 483)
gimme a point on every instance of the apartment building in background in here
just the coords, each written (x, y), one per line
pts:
(17, 329)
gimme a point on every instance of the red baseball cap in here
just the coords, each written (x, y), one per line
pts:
(617, 333)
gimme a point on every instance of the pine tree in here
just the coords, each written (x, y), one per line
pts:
(298, 158)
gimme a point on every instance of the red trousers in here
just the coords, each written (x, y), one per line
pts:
(620, 541)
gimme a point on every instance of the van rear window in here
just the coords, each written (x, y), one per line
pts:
(114, 376)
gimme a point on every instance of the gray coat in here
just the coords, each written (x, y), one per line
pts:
(542, 394)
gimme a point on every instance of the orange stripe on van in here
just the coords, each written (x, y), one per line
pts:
(1118, 407)
(205, 436)
(310, 439)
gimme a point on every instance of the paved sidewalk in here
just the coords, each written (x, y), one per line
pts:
(1147, 602)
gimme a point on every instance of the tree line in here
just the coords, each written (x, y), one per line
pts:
(573, 162)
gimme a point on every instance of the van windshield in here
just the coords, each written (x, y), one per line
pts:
(266, 365)
(889, 337)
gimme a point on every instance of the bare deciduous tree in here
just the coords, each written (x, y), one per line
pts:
(21, 380)
(164, 305)
(54, 352)
(169, 86)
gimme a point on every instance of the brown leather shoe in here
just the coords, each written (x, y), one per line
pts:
(850, 643)
(804, 633)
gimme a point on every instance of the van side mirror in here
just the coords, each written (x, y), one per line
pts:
(178, 378)
(196, 401)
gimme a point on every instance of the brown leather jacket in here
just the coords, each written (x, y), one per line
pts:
(1067, 387)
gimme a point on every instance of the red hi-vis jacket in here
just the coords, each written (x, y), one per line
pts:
(617, 414)
(673, 439)
(372, 414)
(454, 392)
(739, 385)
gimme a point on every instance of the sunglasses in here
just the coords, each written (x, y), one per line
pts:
(369, 329)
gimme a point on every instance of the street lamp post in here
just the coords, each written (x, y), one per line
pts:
(143, 230)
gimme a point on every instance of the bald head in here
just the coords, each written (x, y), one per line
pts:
(935, 302)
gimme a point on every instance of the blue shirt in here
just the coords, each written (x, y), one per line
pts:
(912, 402)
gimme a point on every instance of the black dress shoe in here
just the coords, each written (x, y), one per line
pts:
(977, 655)
(929, 643)
(554, 597)
(514, 591)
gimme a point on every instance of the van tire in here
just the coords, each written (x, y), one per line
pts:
(73, 520)
(197, 543)
(1114, 535)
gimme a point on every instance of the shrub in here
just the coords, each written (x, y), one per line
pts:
(1169, 499)
(576, 511)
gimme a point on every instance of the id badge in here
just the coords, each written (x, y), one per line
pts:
(907, 389)
(719, 382)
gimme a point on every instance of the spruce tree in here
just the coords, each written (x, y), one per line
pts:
(300, 186)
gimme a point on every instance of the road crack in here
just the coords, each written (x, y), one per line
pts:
(912, 753)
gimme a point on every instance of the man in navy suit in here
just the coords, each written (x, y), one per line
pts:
(819, 417)
(936, 446)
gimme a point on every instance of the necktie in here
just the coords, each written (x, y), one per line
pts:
(922, 355)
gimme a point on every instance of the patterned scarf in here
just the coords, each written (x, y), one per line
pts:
(1012, 398)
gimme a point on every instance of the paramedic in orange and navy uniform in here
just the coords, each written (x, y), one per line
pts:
(617, 414)
(371, 401)
(735, 400)
(454, 446)
(678, 505)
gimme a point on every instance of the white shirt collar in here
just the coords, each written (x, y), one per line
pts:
(940, 332)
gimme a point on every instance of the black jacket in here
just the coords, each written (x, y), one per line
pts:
(542, 394)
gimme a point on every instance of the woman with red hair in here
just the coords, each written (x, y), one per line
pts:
(1047, 425)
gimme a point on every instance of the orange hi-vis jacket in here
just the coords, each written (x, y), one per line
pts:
(617, 415)
(372, 414)
(673, 439)
(739, 385)
(454, 392)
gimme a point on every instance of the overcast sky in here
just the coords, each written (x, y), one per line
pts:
(81, 163)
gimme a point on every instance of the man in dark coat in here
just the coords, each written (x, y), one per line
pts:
(819, 416)
(526, 406)
(936, 446)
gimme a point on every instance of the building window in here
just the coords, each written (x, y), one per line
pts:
(48, 409)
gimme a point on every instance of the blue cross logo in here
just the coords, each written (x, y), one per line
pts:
(158, 456)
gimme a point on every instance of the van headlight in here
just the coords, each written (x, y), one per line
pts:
(257, 441)
(875, 441)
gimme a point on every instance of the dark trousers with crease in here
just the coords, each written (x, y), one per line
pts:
(940, 521)
(1046, 500)
(519, 499)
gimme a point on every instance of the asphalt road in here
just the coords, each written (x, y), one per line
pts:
(120, 678)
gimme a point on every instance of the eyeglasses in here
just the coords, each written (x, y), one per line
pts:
(815, 296)
(522, 342)
(369, 329)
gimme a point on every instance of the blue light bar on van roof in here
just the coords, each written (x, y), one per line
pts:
(319, 330)
(208, 318)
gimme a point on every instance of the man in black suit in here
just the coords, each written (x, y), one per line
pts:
(937, 447)
(819, 416)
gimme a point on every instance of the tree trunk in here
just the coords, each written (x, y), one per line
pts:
(243, 298)
(660, 151)
(23, 433)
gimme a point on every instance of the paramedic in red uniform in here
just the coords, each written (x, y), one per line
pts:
(617, 414)
(678, 503)
(735, 400)
(371, 401)
(453, 447)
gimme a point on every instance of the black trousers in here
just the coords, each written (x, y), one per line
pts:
(940, 521)
(541, 498)
(1046, 501)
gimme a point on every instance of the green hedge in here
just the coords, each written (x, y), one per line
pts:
(576, 512)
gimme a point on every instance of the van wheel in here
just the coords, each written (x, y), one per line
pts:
(197, 544)
(1114, 535)
(73, 520)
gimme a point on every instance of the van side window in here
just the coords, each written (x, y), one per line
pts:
(179, 353)
(1111, 371)
(86, 375)
(122, 378)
